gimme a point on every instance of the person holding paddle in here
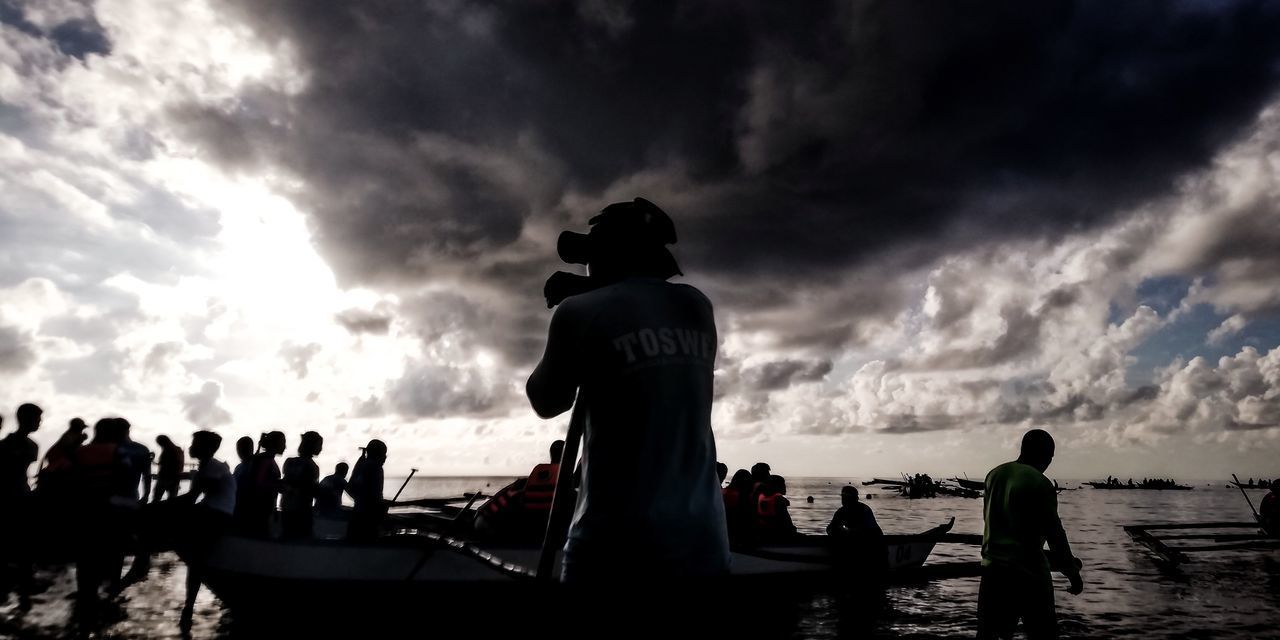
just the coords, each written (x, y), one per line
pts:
(638, 353)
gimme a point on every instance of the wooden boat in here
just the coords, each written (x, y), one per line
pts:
(974, 485)
(1138, 487)
(413, 569)
(1156, 536)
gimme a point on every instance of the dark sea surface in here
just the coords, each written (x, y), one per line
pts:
(1127, 595)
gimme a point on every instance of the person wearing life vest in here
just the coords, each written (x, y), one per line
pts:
(99, 473)
(760, 473)
(55, 472)
(773, 521)
(540, 488)
(739, 513)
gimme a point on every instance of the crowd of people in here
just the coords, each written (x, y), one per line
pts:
(92, 503)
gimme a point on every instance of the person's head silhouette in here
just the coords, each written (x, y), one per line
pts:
(760, 472)
(1037, 449)
(244, 448)
(722, 471)
(375, 452)
(311, 445)
(273, 443)
(557, 451)
(29, 417)
(848, 495)
(341, 470)
(203, 445)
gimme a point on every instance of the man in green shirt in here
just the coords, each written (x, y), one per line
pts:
(1020, 511)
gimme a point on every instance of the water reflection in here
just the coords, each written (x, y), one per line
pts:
(1226, 595)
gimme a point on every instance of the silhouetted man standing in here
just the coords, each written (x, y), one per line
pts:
(639, 352)
(1020, 509)
(17, 452)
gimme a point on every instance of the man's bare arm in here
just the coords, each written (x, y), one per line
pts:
(553, 384)
(1060, 556)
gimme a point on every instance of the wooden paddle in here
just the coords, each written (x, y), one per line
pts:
(562, 499)
(1246, 498)
(406, 483)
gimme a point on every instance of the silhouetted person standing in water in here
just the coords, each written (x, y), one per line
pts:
(262, 487)
(301, 484)
(365, 490)
(100, 473)
(1020, 509)
(209, 518)
(329, 497)
(639, 352)
(17, 452)
(169, 475)
(58, 459)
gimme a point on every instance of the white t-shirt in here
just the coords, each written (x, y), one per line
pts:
(219, 486)
(643, 351)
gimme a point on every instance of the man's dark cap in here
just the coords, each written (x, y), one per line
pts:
(638, 228)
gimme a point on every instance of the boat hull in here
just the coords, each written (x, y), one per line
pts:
(398, 571)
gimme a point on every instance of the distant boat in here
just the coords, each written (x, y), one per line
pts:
(1137, 487)
(975, 485)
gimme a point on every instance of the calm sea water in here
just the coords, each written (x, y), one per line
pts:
(1222, 595)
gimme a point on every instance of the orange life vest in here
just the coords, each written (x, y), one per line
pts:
(732, 498)
(769, 510)
(97, 467)
(540, 488)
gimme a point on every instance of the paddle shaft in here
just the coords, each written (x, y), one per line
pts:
(562, 498)
(1246, 496)
(405, 484)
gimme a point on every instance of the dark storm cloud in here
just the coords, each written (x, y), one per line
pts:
(16, 354)
(298, 356)
(201, 407)
(77, 37)
(774, 376)
(361, 321)
(790, 142)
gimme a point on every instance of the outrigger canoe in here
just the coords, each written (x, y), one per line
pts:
(1138, 487)
(406, 568)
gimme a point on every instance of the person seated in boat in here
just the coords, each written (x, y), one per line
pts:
(301, 484)
(365, 489)
(329, 496)
(210, 503)
(170, 472)
(760, 473)
(773, 520)
(540, 486)
(854, 518)
(638, 353)
(739, 513)
(1020, 514)
(860, 539)
(256, 501)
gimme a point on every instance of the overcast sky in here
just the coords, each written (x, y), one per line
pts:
(924, 229)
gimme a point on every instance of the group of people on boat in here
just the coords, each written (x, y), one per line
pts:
(755, 504)
(92, 502)
(1147, 483)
